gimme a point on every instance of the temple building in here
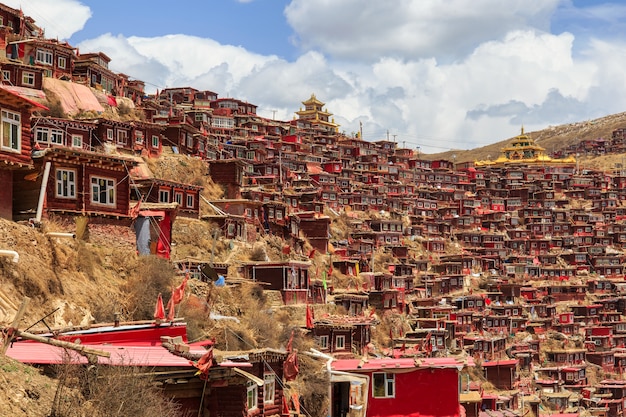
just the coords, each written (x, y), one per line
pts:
(315, 114)
(523, 151)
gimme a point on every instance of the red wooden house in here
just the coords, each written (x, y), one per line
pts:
(229, 173)
(15, 147)
(78, 182)
(54, 132)
(502, 374)
(402, 387)
(155, 190)
(290, 278)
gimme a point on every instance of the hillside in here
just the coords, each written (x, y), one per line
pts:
(77, 283)
(552, 138)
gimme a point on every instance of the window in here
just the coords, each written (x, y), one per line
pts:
(155, 141)
(323, 342)
(44, 57)
(340, 342)
(138, 136)
(56, 136)
(269, 388)
(62, 62)
(164, 196)
(384, 385)
(110, 134)
(66, 183)
(41, 135)
(190, 201)
(122, 137)
(178, 197)
(6, 75)
(77, 141)
(28, 78)
(252, 395)
(11, 131)
(103, 191)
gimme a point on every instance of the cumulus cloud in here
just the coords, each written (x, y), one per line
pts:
(367, 30)
(179, 60)
(432, 74)
(59, 18)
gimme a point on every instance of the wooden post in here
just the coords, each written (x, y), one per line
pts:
(60, 343)
(14, 332)
(16, 321)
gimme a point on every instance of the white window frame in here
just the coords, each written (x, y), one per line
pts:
(65, 180)
(389, 381)
(56, 136)
(269, 388)
(6, 75)
(122, 137)
(45, 57)
(110, 134)
(62, 62)
(323, 342)
(155, 141)
(77, 141)
(97, 192)
(340, 342)
(42, 135)
(139, 137)
(190, 201)
(11, 131)
(178, 198)
(164, 196)
(252, 395)
(28, 78)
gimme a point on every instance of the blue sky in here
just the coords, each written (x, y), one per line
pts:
(437, 74)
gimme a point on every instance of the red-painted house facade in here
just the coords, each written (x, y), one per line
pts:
(15, 147)
(407, 386)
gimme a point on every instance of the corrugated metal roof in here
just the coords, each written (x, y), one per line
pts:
(43, 354)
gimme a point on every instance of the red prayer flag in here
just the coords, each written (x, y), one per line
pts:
(179, 292)
(171, 308)
(204, 363)
(159, 310)
(309, 317)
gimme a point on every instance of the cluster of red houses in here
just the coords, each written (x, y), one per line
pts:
(491, 259)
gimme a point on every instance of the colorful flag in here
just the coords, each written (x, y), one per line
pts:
(159, 310)
(309, 317)
(204, 363)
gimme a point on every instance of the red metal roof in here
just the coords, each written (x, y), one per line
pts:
(500, 363)
(399, 363)
(43, 354)
(125, 335)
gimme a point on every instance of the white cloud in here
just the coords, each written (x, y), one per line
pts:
(435, 74)
(178, 60)
(59, 18)
(367, 30)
